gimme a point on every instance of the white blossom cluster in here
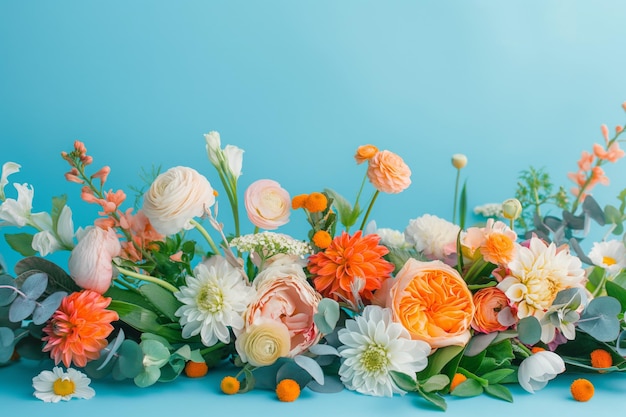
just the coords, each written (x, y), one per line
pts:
(489, 210)
(269, 244)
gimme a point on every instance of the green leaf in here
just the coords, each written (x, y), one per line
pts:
(21, 243)
(149, 376)
(7, 295)
(499, 391)
(403, 381)
(144, 320)
(498, 375)
(58, 279)
(463, 206)
(529, 330)
(435, 383)
(617, 292)
(438, 360)
(501, 352)
(434, 398)
(347, 215)
(600, 318)
(161, 299)
(327, 315)
(468, 388)
(612, 215)
(58, 203)
(130, 360)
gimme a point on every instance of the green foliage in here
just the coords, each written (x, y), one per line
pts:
(327, 315)
(599, 318)
(22, 243)
(348, 215)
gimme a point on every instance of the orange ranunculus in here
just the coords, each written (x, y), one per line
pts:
(364, 153)
(388, 172)
(432, 301)
(489, 302)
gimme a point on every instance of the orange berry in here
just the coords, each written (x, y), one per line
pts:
(456, 380)
(230, 385)
(600, 358)
(298, 201)
(536, 349)
(287, 390)
(196, 369)
(322, 239)
(582, 390)
(316, 202)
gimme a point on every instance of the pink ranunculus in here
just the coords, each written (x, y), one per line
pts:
(268, 204)
(285, 296)
(90, 263)
(388, 172)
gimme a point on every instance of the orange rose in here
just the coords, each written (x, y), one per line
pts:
(388, 172)
(489, 302)
(364, 153)
(432, 301)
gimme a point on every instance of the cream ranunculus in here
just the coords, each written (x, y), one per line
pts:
(263, 343)
(535, 371)
(175, 198)
(268, 204)
(284, 295)
(90, 263)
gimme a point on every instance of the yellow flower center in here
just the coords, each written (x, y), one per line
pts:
(374, 359)
(63, 387)
(608, 261)
(210, 298)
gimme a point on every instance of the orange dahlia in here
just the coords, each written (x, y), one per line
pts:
(347, 259)
(78, 330)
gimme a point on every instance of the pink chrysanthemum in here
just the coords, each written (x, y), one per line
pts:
(77, 331)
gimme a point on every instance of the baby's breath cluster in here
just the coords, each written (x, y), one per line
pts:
(489, 210)
(268, 244)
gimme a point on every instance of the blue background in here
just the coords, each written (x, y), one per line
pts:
(299, 85)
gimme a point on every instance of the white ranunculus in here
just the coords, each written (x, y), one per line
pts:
(7, 169)
(234, 159)
(175, 198)
(535, 371)
(17, 212)
(45, 243)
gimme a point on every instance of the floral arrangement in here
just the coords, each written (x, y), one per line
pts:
(161, 290)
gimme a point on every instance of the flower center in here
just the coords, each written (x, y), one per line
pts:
(63, 387)
(608, 261)
(210, 298)
(374, 359)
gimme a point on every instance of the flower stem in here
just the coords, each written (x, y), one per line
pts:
(456, 194)
(210, 349)
(369, 209)
(206, 235)
(147, 278)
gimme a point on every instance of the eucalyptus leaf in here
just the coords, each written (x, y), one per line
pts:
(130, 359)
(332, 384)
(111, 349)
(599, 319)
(479, 342)
(592, 209)
(311, 366)
(327, 315)
(529, 330)
(45, 309)
(291, 370)
(7, 338)
(323, 349)
(7, 295)
(35, 285)
(575, 245)
(58, 279)
(621, 341)
(149, 376)
(21, 309)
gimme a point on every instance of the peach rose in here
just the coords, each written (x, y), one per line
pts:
(267, 204)
(388, 172)
(432, 301)
(175, 198)
(364, 153)
(90, 262)
(284, 296)
(490, 302)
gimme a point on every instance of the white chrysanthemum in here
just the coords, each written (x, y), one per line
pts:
(373, 345)
(392, 238)
(432, 236)
(609, 255)
(214, 300)
(56, 385)
(537, 274)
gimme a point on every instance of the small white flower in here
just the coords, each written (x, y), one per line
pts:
(373, 345)
(432, 236)
(609, 255)
(535, 371)
(56, 385)
(45, 243)
(214, 299)
(7, 169)
(17, 212)
(489, 210)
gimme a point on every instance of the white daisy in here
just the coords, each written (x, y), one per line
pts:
(537, 273)
(214, 300)
(432, 236)
(609, 255)
(56, 385)
(373, 346)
